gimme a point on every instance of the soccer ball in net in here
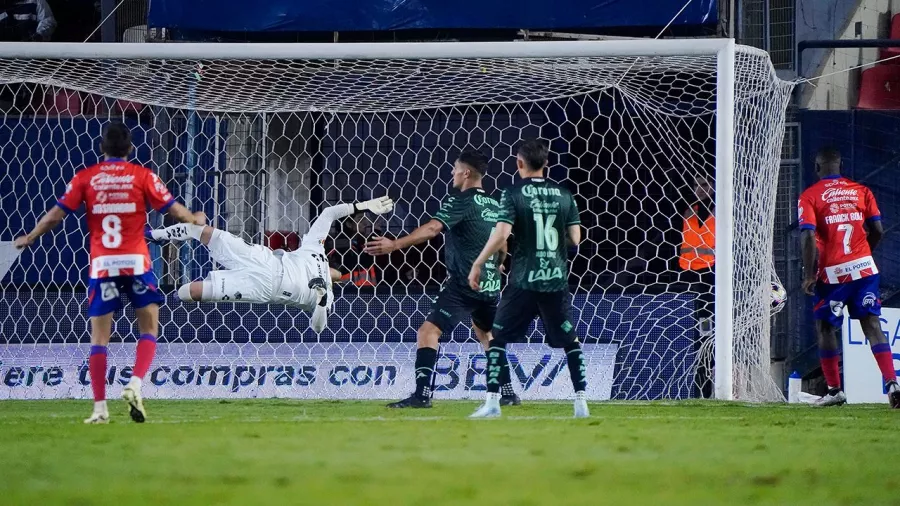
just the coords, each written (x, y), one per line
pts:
(779, 297)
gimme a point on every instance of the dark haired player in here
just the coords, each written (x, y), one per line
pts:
(544, 218)
(468, 218)
(116, 194)
(840, 221)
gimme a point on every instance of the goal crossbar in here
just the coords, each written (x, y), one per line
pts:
(365, 51)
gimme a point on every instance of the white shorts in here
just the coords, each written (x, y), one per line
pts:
(253, 271)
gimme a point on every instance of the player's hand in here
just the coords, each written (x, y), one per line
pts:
(475, 278)
(380, 205)
(379, 246)
(502, 269)
(23, 242)
(809, 286)
(199, 218)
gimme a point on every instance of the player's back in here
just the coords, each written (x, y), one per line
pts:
(837, 209)
(469, 218)
(115, 194)
(541, 212)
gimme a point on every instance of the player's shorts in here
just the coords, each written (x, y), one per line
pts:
(252, 270)
(454, 304)
(859, 296)
(518, 308)
(105, 294)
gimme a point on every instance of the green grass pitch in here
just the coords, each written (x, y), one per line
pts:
(258, 452)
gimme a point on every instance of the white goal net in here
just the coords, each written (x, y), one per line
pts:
(263, 137)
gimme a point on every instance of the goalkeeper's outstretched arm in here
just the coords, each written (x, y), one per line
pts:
(322, 226)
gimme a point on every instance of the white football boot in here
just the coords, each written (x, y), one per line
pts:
(490, 408)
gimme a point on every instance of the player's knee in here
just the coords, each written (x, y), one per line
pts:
(428, 335)
(484, 337)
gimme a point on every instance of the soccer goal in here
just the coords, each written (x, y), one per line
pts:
(262, 136)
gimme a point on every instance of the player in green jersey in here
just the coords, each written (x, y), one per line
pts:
(467, 218)
(544, 218)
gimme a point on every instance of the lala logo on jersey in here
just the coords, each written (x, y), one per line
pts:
(834, 208)
(102, 197)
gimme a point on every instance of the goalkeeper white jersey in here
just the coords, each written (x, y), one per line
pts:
(298, 268)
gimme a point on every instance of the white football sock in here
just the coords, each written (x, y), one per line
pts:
(100, 407)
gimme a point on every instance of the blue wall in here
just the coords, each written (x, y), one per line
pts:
(648, 329)
(368, 15)
(868, 141)
(37, 170)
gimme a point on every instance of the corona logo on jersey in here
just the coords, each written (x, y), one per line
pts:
(534, 191)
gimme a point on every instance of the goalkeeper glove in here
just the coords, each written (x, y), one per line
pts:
(380, 205)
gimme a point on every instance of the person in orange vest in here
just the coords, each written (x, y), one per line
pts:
(697, 260)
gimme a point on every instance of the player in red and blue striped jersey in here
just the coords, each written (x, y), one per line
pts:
(116, 193)
(840, 220)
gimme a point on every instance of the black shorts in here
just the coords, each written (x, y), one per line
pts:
(519, 307)
(454, 304)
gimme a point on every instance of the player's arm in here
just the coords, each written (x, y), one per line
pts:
(573, 224)
(501, 259)
(424, 233)
(68, 203)
(874, 228)
(808, 249)
(447, 216)
(495, 243)
(808, 252)
(874, 233)
(184, 215)
(573, 238)
(48, 222)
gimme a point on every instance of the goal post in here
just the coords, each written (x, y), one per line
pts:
(724, 281)
(275, 131)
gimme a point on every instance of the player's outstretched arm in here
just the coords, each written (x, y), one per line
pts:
(498, 239)
(320, 228)
(47, 223)
(384, 246)
(381, 205)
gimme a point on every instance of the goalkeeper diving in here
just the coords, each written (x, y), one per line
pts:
(257, 274)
